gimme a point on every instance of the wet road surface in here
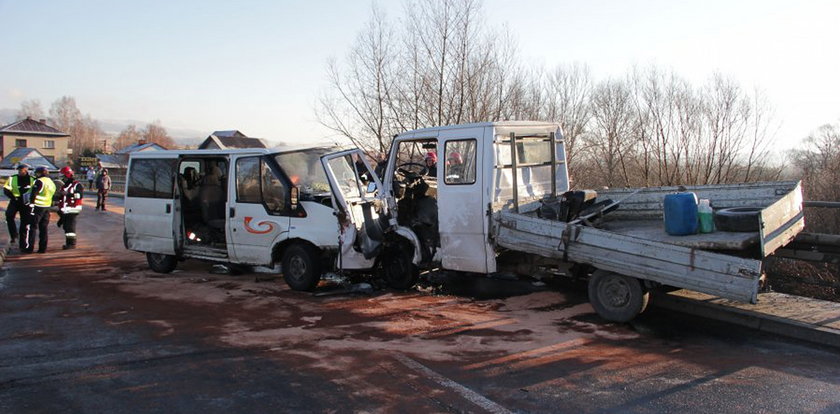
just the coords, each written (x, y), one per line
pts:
(93, 330)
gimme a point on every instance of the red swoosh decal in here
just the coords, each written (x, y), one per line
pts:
(250, 229)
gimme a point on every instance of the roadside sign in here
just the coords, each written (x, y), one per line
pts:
(87, 161)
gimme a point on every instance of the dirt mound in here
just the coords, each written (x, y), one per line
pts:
(797, 277)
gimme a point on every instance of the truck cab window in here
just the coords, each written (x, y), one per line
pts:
(460, 162)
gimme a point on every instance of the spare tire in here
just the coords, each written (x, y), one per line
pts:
(738, 219)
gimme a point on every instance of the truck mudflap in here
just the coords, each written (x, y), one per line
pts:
(717, 274)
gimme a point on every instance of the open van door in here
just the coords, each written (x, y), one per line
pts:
(358, 202)
(150, 204)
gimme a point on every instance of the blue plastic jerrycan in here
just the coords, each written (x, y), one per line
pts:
(681, 214)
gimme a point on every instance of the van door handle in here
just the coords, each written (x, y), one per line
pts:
(232, 212)
(168, 208)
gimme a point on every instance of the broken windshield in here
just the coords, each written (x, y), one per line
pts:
(305, 171)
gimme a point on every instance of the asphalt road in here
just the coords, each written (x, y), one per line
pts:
(93, 330)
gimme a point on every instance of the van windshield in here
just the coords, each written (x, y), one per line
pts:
(305, 171)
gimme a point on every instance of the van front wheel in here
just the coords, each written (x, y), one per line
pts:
(161, 263)
(301, 269)
(616, 297)
(400, 272)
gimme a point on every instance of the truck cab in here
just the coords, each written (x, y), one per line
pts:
(442, 185)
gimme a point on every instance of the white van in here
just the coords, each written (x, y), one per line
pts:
(250, 206)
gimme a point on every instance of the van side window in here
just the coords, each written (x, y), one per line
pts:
(256, 183)
(248, 180)
(151, 178)
(273, 193)
(460, 162)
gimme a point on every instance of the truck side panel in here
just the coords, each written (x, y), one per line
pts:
(717, 274)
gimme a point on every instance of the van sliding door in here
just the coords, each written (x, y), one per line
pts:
(150, 206)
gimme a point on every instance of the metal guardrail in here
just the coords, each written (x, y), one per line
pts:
(821, 204)
(814, 247)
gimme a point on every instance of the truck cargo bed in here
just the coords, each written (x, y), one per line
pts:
(632, 241)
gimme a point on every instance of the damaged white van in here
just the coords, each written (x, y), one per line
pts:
(251, 206)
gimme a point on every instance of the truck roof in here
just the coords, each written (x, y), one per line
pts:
(496, 124)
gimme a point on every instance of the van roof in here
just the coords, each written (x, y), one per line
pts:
(503, 124)
(244, 151)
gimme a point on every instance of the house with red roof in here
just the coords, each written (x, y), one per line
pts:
(29, 133)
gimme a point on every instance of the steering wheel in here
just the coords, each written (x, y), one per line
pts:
(407, 168)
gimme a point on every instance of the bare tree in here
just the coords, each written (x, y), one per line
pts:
(357, 106)
(440, 64)
(446, 70)
(568, 93)
(819, 165)
(155, 133)
(128, 136)
(614, 120)
(31, 109)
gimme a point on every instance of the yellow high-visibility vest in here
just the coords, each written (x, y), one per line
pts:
(45, 197)
(12, 185)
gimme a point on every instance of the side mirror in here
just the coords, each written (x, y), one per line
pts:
(295, 197)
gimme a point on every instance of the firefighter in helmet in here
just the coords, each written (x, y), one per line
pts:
(69, 206)
(15, 188)
(40, 201)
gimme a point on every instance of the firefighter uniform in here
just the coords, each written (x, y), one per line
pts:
(40, 200)
(69, 207)
(15, 188)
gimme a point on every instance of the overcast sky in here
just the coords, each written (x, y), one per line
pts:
(259, 66)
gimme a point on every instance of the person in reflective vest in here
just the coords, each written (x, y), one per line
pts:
(15, 188)
(69, 206)
(40, 201)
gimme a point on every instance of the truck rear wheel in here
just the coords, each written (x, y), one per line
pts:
(301, 268)
(616, 297)
(161, 263)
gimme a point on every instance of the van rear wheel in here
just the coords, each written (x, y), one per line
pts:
(616, 297)
(161, 263)
(301, 268)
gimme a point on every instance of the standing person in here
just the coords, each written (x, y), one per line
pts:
(40, 201)
(91, 176)
(15, 188)
(103, 184)
(69, 206)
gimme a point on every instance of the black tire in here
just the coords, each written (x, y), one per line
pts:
(398, 268)
(161, 263)
(301, 267)
(738, 219)
(616, 297)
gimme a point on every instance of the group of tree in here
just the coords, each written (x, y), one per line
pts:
(86, 134)
(440, 64)
(818, 164)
